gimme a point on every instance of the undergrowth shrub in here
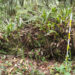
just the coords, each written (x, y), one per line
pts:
(34, 27)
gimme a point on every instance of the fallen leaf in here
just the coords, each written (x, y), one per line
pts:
(0, 61)
(21, 61)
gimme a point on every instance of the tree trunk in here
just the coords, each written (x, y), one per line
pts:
(21, 2)
(74, 38)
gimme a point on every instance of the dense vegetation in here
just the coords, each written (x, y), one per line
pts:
(37, 30)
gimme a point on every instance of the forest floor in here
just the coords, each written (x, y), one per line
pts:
(11, 65)
(15, 65)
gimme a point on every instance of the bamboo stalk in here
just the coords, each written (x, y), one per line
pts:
(68, 42)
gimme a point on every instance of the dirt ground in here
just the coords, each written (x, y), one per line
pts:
(10, 65)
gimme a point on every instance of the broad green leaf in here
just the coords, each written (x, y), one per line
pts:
(67, 73)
